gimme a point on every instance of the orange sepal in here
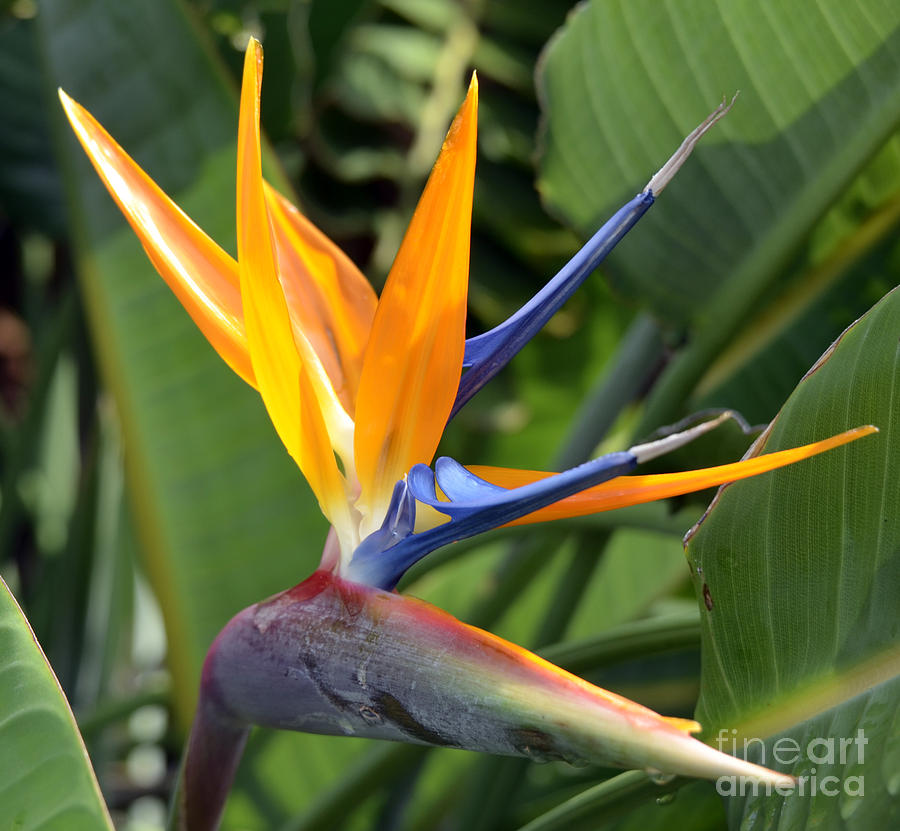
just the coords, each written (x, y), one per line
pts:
(635, 490)
(413, 362)
(202, 276)
(329, 299)
(319, 466)
(277, 362)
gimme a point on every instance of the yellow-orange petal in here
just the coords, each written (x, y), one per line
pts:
(329, 300)
(278, 360)
(413, 361)
(635, 490)
(320, 468)
(202, 276)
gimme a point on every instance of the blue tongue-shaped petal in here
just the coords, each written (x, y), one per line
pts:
(474, 506)
(461, 486)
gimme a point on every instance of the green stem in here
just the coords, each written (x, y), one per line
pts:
(380, 766)
(571, 587)
(112, 712)
(636, 360)
(629, 640)
(609, 799)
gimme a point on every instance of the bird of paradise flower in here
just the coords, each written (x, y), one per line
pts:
(360, 391)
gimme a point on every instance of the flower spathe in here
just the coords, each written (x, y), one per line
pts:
(360, 390)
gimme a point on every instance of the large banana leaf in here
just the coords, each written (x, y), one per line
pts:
(847, 270)
(796, 575)
(819, 96)
(47, 781)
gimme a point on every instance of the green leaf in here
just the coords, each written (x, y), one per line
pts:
(637, 568)
(819, 95)
(848, 269)
(623, 83)
(48, 782)
(30, 190)
(796, 574)
(630, 802)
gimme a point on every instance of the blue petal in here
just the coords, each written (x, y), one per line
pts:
(460, 485)
(398, 524)
(487, 354)
(474, 506)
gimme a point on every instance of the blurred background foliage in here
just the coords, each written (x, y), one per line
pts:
(145, 498)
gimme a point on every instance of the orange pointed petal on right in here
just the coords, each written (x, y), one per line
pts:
(202, 276)
(413, 361)
(635, 490)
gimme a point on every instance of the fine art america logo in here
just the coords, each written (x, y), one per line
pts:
(786, 753)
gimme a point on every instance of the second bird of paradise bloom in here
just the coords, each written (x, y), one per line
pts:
(360, 389)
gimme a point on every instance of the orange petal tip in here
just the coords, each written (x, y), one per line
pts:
(414, 356)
